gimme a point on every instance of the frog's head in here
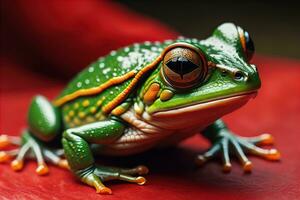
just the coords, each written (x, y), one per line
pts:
(198, 82)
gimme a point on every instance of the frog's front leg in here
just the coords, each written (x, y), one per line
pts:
(76, 143)
(224, 142)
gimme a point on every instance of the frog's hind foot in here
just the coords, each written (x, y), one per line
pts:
(30, 148)
(239, 146)
(5, 141)
(94, 176)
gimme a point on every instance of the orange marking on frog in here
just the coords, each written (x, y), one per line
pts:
(94, 90)
(151, 93)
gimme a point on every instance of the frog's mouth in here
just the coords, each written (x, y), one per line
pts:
(200, 113)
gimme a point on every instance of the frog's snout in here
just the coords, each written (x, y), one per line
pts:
(253, 81)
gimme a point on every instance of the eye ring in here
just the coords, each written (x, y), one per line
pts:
(183, 65)
(247, 43)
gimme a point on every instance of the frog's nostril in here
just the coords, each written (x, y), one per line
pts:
(239, 75)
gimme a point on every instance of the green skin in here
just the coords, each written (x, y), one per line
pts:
(78, 132)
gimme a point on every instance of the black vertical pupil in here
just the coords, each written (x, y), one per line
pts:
(249, 46)
(181, 65)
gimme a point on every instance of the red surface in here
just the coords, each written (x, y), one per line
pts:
(173, 174)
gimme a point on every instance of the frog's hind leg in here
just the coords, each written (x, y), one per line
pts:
(44, 122)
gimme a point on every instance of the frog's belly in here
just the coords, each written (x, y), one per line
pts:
(142, 136)
(135, 141)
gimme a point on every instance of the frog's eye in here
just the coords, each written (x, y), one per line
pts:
(183, 67)
(247, 43)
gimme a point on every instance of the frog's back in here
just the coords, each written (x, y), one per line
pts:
(92, 94)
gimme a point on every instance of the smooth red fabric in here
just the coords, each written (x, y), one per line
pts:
(45, 35)
(67, 35)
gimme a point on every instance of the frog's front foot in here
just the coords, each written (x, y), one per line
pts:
(94, 176)
(29, 147)
(227, 143)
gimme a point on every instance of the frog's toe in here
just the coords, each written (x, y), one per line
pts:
(269, 154)
(113, 173)
(140, 180)
(93, 180)
(211, 153)
(140, 170)
(218, 148)
(8, 155)
(54, 157)
(18, 163)
(239, 152)
(263, 139)
(6, 140)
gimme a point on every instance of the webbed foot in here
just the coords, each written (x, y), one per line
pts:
(29, 147)
(94, 176)
(227, 143)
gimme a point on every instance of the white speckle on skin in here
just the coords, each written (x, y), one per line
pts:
(91, 69)
(105, 71)
(194, 40)
(138, 58)
(136, 45)
(168, 41)
(126, 64)
(147, 43)
(180, 37)
(126, 49)
(98, 79)
(114, 74)
(101, 65)
(79, 84)
(153, 48)
(119, 58)
(87, 81)
(111, 92)
(113, 53)
(157, 42)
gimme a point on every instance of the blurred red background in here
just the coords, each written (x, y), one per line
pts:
(44, 43)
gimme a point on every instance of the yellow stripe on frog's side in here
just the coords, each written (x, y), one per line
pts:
(94, 90)
(116, 101)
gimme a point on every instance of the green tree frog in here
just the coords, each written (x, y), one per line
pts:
(144, 96)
